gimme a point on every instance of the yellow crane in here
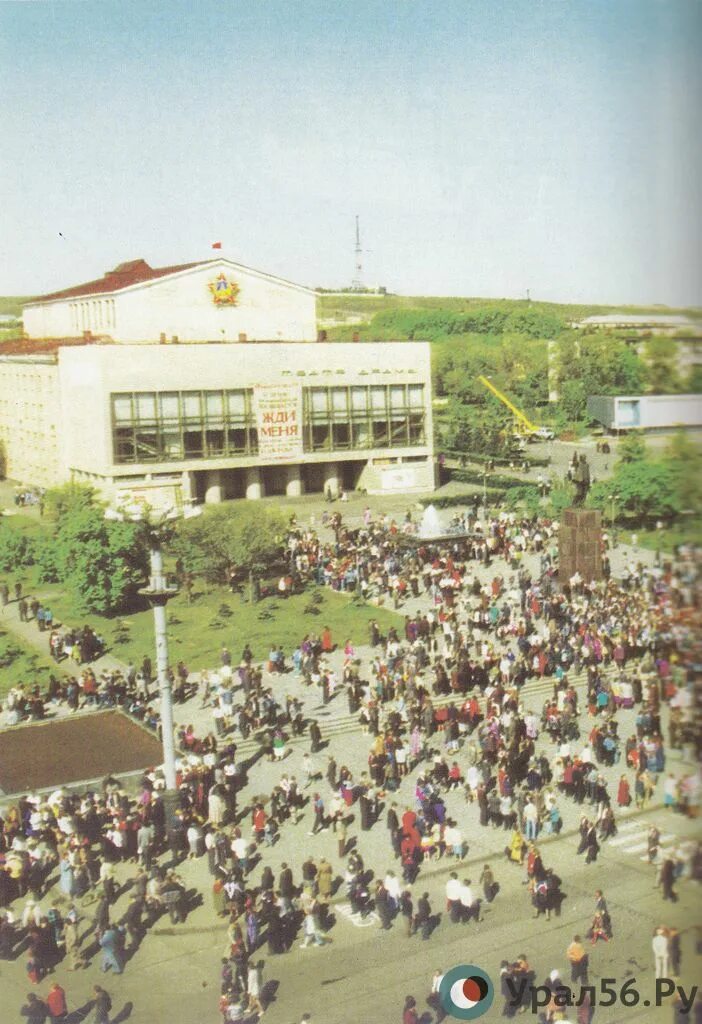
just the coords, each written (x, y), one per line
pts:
(522, 421)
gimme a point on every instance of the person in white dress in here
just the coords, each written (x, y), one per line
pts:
(661, 953)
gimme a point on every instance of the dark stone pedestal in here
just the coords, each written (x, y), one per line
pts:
(579, 544)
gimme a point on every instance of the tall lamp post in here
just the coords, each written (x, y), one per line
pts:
(158, 593)
(613, 498)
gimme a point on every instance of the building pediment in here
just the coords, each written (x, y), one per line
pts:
(137, 274)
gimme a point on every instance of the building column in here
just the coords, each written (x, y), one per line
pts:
(254, 484)
(331, 479)
(213, 487)
(186, 487)
(293, 487)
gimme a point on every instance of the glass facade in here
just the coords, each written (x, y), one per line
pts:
(173, 426)
(362, 417)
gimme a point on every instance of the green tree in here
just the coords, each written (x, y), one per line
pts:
(16, 549)
(102, 562)
(693, 384)
(684, 459)
(458, 362)
(561, 497)
(573, 399)
(662, 374)
(632, 448)
(478, 428)
(601, 364)
(522, 370)
(645, 489)
(526, 498)
(244, 537)
(67, 499)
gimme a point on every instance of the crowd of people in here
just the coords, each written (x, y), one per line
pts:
(453, 748)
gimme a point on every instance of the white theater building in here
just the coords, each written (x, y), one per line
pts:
(204, 382)
(214, 300)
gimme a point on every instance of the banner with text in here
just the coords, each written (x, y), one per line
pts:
(278, 409)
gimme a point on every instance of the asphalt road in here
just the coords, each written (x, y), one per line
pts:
(366, 973)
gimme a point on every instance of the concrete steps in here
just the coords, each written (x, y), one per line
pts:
(346, 723)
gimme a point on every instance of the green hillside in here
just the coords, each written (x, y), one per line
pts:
(367, 305)
(11, 305)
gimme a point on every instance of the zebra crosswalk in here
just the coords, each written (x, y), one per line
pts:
(358, 920)
(632, 839)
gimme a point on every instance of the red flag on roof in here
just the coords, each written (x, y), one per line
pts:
(216, 245)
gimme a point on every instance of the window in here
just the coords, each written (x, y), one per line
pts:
(416, 428)
(192, 443)
(191, 405)
(147, 445)
(236, 403)
(378, 397)
(397, 396)
(341, 435)
(319, 401)
(321, 437)
(177, 425)
(171, 442)
(380, 434)
(215, 442)
(359, 400)
(236, 440)
(339, 398)
(416, 396)
(168, 403)
(360, 417)
(146, 407)
(171, 426)
(360, 434)
(124, 450)
(214, 404)
(122, 407)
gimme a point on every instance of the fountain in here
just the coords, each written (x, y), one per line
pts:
(430, 525)
(430, 530)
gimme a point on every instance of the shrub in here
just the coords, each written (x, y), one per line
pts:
(17, 550)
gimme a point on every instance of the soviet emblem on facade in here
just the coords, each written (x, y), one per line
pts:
(224, 292)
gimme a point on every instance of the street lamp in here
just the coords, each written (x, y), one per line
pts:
(158, 593)
(613, 498)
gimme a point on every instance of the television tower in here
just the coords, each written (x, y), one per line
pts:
(357, 282)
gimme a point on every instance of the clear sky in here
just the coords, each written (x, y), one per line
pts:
(489, 146)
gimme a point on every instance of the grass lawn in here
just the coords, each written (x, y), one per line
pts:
(21, 663)
(667, 540)
(198, 631)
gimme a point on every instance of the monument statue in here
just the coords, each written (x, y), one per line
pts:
(580, 533)
(581, 479)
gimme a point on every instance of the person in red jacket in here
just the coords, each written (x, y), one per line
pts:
(409, 1014)
(259, 818)
(56, 1003)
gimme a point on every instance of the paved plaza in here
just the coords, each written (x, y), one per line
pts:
(365, 973)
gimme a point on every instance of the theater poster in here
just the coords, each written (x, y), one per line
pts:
(278, 409)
